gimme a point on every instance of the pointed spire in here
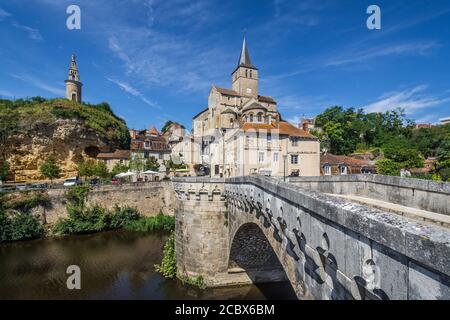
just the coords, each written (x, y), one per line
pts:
(73, 71)
(244, 58)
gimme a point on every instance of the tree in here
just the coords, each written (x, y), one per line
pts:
(118, 168)
(388, 167)
(101, 170)
(152, 164)
(86, 168)
(50, 169)
(406, 158)
(4, 169)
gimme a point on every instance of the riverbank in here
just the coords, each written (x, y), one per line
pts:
(114, 265)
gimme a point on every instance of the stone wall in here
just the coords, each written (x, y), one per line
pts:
(421, 194)
(329, 248)
(148, 198)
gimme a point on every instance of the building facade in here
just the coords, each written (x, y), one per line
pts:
(241, 132)
(333, 165)
(111, 159)
(149, 143)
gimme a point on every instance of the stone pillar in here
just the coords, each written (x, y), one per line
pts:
(201, 229)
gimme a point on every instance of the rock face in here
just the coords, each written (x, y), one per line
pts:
(69, 140)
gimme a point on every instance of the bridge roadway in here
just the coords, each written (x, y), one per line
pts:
(340, 246)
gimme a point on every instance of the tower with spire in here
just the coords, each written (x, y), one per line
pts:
(245, 77)
(73, 83)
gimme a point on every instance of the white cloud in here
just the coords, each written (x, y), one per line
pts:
(4, 14)
(411, 100)
(33, 34)
(40, 84)
(134, 92)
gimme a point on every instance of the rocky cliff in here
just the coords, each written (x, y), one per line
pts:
(32, 130)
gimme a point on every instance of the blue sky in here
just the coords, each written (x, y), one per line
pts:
(155, 60)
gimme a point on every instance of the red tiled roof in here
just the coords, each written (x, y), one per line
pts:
(332, 159)
(284, 128)
(118, 154)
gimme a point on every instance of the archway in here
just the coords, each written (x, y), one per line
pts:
(252, 253)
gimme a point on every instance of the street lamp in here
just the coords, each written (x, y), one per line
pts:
(284, 167)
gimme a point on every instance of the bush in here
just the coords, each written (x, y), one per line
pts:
(445, 174)
(94, 219)
(388, 167)
(168, 266)
(20, 226)
(193, 281)
(160, 222)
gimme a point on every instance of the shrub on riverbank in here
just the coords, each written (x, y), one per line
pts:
(19, 226)
(160, 222)
(94, 219)
(168, 266)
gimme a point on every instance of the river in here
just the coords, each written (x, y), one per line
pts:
(114, 265)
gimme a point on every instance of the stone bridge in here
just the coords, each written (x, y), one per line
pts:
(258, 229)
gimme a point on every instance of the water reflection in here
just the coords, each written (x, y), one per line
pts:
(114, 265)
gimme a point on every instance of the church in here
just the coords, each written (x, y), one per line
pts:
(73, 83)
(241, 132)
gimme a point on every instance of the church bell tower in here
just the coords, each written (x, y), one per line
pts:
(73, 84)
(245, 77)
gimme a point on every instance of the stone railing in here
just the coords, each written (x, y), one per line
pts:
(421, 194)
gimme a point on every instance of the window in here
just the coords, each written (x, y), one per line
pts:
(294, 141)
(249, 91)
(343, 170)
(147, 144)
(246, 73)
(259, 117)
(269, 137)
(294, 159)
(251, 117)
(261, 156)
(160, 156)
(74, 96)
(275, 157)
(327, 170)
(251, 74)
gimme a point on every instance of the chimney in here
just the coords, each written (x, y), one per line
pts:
(305, 126)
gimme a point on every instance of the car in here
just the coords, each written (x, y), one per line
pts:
(116, 181)
(94, 182)
(21, 187)
(70, 182)
(7, 187)
(38, 186)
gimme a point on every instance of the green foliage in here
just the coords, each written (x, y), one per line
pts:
(101, 170)
(24, 200)
(4, 169)
(50, 169)
(77, 195)
(445, 174)
(152, 164)
(23, 113)
(118, 168)
(174, 163)
(94, 219)
(388, 167)
(405, 157)
(159, 222)
(168, 266)
(20, 226)
(193, 281)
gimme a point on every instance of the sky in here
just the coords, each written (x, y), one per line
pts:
(156, 60)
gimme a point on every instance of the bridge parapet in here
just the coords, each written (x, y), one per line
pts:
(329, 248)
(338, 249)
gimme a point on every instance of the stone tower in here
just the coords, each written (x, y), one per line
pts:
(245, 76)
(73, 84)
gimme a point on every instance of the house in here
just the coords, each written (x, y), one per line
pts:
(112, 158)
(331, 164)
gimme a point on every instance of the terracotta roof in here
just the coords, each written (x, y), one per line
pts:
(228, 92)
(153, 131)
(266, 99)
(332, 159)
(118, 154)
(284, 128)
